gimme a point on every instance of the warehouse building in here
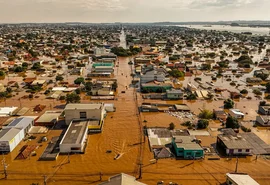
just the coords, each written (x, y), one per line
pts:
(49, 118)
(24, 123)
(10, 138)
(75, 138)
(91, 111)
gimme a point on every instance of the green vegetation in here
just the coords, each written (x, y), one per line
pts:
(120, 51)
(206, 114)
(228, 104)
(245, 129)
(202, 124)
(262, 76)
(267, 87)
(232, 123)
(18, 69)
(59, 78)
(173, 57)
(176, 73)
(257, 92)
(36, 66)
(114, 86)
(191, 96)
(73, 98)
(171, 126)
(244, 61)
(79, 80)
(244, 91)
(2, 73)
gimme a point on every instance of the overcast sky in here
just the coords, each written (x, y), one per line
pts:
(13, 11)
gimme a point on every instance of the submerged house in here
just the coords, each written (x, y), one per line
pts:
(187, 147)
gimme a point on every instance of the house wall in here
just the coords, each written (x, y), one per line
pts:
(74, 148)
(8, 146)
(237, 152)
(96, 114)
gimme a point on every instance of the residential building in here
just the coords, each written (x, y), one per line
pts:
(191, 87)
(263, 120)
(174, 94)
(75, 138)
(233, 143)
(239, 179)
(264, 110)
(236, 113)
(153, 75)
(7, 111)
(220, 114)
(104, 69)
(154, 87)
(91, 111)
(187, 147)
(122, 179)
(253, 80)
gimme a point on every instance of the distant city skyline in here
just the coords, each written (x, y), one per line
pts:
(108, 11)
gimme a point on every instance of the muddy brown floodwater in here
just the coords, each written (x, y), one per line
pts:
(122, 135)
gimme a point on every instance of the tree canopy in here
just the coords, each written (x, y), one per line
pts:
(73, 98)
(228, 104)
(232, 122)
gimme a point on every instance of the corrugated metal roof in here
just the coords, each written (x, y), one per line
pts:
(7, 134)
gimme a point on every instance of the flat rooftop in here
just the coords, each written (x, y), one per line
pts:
(21, 122)
(75, 132)
(8, 134)
(49, 116)
(242, 179)
(187, 143)
(72, 106)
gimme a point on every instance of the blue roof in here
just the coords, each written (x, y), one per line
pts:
(21, 122)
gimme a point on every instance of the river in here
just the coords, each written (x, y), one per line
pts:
(235, 29)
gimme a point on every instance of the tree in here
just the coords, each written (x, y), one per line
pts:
(202, 124)
(206, 114)
(2, 73)
(262, 76)
(59, 78)
(191, 97)
(79, 80)
(257, 92)
(244, 91)
(171, 126)
(88, 86)
(176, 73)
(18, 69)
(268, 87)
(73, 98)
(228, 104)
(232, 122)
(114, 86)
(25, 65)
(36, 66)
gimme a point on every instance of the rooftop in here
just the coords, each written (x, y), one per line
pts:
(187, 143)
(75, 132)
(7, 134)
(49, 116)
(242, 179)
(22, 122)
(122, 179)
(72, 106)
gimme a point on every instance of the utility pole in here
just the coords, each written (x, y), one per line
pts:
(5, 165)
(44, 181)
(236, 167)
(140, 171)
(100, 176)
(68, 158)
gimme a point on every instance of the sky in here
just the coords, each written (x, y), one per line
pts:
(106, 11)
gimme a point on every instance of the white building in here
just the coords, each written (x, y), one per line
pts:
(10, 138)
(263, 120)
(191, 87)
(122, 179)
(153, 75)
(75, 138)
(13, 134)
(91, 111)
(24, 123)
(7, 111)
(236, 113)
(240, 179)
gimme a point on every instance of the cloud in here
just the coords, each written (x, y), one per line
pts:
(200, 4)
